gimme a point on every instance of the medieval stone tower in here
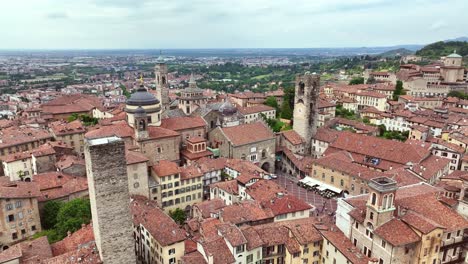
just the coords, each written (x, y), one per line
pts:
(108, 192)
(162, 86)
(305, 107)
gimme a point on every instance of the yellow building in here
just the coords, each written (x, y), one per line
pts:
(176, 187)
(158, 239)
(71, 134)
(19, 213)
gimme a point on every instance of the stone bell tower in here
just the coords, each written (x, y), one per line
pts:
(305, 107)
(141, 123)
(162, 86)
(381, 203)
(106, 169)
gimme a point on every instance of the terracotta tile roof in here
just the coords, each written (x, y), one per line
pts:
(209, 228)
(17, 156)
(326, 135)
(54, 185)
(160, 132)
(208, 164)
(420, 222)
(165, 168)
(194, 156)
(190, 172)
(219, 251)
(245, 212)
(344, 245)
(293, 137)
(286, 204)
(134, 157)
(241, 134)
(233, 234)
(253, 238)
(122, 130)
(255, 109)
(227, 186)
(303, 230)
(193, 258)
(209, 207)
(68, 161)
(62, 128)
(196, 140)
(73, 241)
(18, 189)
(15, 135)
(397, 233)
(161, 226)
(183, 123)
(264, 190)
(44, 150)
(28, 251)
(384, 149)
(430, 166)
(88, 254)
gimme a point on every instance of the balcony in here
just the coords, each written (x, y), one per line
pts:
(451, 243)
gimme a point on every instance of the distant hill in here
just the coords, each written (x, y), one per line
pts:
(457, 39)
(441, 48)
(397, 52)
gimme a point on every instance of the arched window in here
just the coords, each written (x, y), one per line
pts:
(384, 203)
(373, 198)
(301, 88)
(390, 201)
(341, 182)
(163, 80)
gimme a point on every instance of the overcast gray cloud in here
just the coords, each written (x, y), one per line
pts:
(227, 23)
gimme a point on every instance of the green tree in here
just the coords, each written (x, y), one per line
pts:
(357, 80)
(49, 214)
(72, 215)
(271, 101)
(371, 80)
(398, 90)
(178, 215)
(286, 111)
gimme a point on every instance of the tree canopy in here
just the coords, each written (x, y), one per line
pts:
(356, 80)
(178, 215)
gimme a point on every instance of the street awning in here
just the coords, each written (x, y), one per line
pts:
(321, 185)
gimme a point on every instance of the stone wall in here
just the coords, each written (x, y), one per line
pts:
(109, 196)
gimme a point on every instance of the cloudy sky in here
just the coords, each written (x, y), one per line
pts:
(66, 24)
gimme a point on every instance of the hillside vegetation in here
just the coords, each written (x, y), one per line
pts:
(396, 52)
(438, 49)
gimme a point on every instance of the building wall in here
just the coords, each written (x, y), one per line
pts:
(330, 255)
(76, 141)
(151, 251)
(292, 216)
(19, 169)
(25, 224)
(43, 163)
(161, 149)
(138, 179)
(258, 153)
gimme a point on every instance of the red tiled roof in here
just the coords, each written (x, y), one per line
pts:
(55, 185)
(397, 233)
(122, 130)
(255, 109)
(227, 186)
(345, 246)
(293, 137)
(73, 241)
(242, 134)
(161, 226)
(219, 251)
(15, 135)
(134, 157)
(165, 168)
(183, 123)
(61, 128)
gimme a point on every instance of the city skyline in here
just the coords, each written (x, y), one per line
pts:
(153, 24)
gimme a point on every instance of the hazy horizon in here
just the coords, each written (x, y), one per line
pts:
(242, 24)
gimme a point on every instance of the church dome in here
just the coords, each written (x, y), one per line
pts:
(142, 97)
(227, 108)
